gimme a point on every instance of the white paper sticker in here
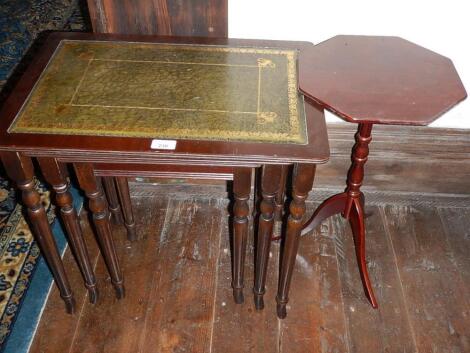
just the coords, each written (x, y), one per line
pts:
(163, 144)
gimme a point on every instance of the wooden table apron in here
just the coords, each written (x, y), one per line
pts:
(128, 157)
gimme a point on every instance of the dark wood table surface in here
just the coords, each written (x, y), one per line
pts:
(369, 80)
(26, 132)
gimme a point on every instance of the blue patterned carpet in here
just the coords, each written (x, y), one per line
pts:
(22, 23)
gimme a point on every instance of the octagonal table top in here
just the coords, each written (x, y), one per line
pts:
(385, 80)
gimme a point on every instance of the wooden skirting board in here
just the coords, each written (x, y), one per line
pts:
(405, 163)
(404, 159)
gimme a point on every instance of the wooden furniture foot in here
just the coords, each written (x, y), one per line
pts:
(351, 205)
(99, 208)
(302, 184)
(20, 169)
(241, 209)
(357, 222)
(113, 201)
(270, 181)
(125, 198)
(56, 175)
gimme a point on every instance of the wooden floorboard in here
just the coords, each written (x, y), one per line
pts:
(316, 312)
(240, 328)
(55, 322)
(435, 294)
(114, 325)
(181, 308)
(179, 297)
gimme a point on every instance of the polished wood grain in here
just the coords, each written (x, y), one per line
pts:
(21, 170)
(204, 18)
(56, 175)
(194, 309)
(384, 80)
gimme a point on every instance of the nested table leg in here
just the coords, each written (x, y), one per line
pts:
(99, 208)
(281, 194)
(125, 198)
(302, 182)
(56, 174)
(20, 169)
(241, 209)
(280, 200)
(351, 205)
(270, 181)
(113, 201)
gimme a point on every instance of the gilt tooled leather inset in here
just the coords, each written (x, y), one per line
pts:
(167, 91)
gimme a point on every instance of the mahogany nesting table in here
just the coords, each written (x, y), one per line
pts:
(115, 105)
(367, 80)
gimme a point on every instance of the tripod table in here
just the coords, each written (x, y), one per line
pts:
(367, 80)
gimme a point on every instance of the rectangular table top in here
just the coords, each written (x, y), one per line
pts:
(107, 93)
(157, 90)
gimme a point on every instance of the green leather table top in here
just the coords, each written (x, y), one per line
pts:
(167, 91)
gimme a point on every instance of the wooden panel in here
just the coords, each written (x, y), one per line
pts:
(205, 18)
(419, 155)
(430, 160)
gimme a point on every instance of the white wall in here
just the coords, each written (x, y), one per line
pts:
(442, 26)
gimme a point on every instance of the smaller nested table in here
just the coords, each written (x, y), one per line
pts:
(125, 106)
(368, 80)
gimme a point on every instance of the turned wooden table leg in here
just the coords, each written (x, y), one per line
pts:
(113, 201)
(241, 209)
(351, 205)
(279, 201)
(56, 174)
(20, 169)
(270, 180)
(280, 195)
(302, 182)
(125, 198)
(354, 207)
(99, 208)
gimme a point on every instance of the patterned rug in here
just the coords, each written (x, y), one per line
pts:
(19, 253)
(21, 25)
